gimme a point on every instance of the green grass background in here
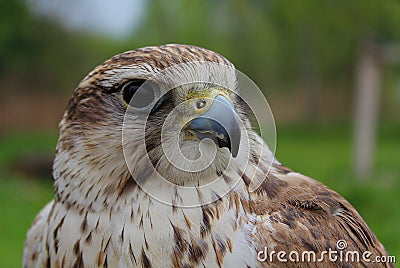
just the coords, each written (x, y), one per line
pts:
(323, 153)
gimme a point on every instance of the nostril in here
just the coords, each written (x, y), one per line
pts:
(200, 104)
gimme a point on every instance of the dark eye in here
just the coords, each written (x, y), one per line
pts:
(139, 94)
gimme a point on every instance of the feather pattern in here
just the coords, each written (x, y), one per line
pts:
(100, 217)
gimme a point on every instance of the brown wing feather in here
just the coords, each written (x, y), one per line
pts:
(302, 214)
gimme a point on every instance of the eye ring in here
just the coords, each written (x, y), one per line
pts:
(139, 93)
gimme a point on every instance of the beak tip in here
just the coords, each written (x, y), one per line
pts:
(235, 147)
(234, 154)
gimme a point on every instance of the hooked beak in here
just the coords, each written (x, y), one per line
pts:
(220, 123)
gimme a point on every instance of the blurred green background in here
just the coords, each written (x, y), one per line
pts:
(304, 55)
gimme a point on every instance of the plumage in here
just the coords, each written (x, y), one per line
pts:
(101, 217)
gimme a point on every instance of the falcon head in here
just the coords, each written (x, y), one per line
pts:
(171, 110)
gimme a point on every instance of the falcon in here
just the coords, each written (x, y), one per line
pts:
(155, 167)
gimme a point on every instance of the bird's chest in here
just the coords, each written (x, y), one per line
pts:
(154, 234)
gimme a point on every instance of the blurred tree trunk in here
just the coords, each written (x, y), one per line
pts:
(368, 87)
